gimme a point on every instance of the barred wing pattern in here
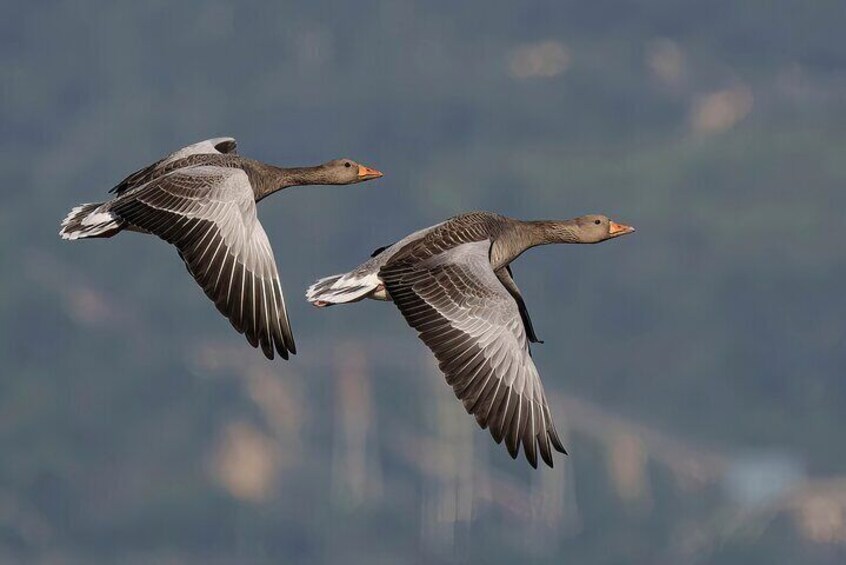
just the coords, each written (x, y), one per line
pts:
(214, 146)
(473, 326)
(209, 214)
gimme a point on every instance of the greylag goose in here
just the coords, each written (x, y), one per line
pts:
(202, 199)
(453, 284)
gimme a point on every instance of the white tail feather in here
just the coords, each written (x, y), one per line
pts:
(341, 289)
(89, 220)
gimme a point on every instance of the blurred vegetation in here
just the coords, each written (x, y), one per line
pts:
(718, 129)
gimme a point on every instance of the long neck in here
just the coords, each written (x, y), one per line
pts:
(525, 235)
(544, 232)
(270, 179)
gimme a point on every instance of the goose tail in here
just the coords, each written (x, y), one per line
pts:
(342, 289)
(90, 220)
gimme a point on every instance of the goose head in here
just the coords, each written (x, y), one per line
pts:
(594, 228)
(347, 171)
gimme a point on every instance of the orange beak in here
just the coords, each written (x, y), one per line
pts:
(366, 173)
(616, 230)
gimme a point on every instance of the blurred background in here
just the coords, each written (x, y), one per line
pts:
(695, 369)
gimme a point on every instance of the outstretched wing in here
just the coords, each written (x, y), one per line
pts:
(209, 214)
(473, 326)
(214, 146)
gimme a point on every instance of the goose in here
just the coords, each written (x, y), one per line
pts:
(202, 199)
(453, 283)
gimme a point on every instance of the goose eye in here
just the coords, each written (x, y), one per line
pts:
(597, 222)
(347, 165)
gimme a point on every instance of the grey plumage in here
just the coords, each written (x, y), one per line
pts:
(208, 212)
(453, 284)
(202, 199)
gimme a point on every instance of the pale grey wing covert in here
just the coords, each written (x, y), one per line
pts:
(474, 327)
(214, 146)
(209, 214)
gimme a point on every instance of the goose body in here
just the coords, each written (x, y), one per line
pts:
(202, 199)
(452, 283)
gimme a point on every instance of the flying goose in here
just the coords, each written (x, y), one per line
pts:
(202, 199)
(453, 284)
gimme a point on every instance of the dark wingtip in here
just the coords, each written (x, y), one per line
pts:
(556, 441)
(497, 434)
(531, 455)
(226, 146)
(546, 453)
(513, 451)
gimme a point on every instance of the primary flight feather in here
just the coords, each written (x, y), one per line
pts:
(202, 199)
(453, 283)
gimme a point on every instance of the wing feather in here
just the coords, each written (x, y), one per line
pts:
(208, 213)
(214, 146)
(475, 328)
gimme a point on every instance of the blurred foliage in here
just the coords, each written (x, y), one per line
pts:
(718, 129)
